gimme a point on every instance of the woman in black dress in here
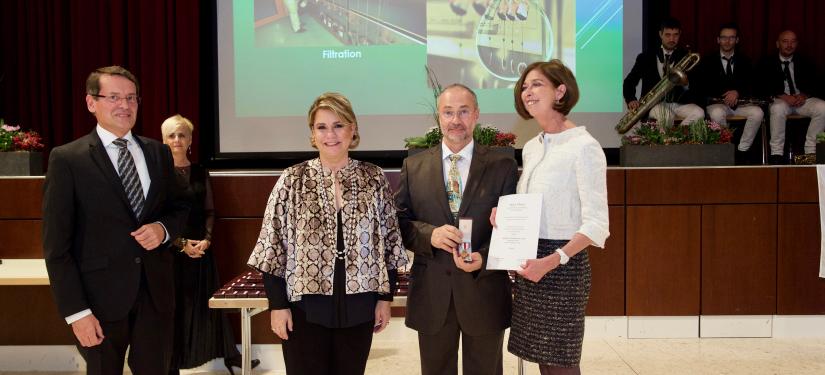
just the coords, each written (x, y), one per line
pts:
(201, 333)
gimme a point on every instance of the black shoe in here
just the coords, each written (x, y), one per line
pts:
(236, 362)
(740, 157)
(777, 160)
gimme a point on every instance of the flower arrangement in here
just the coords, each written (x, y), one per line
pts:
(486, 135)
(650, 132)
(14, 139)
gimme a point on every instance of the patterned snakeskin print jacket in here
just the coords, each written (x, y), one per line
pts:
(298, 236)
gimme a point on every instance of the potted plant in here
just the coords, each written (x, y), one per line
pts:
(658, 145)
(20, 151)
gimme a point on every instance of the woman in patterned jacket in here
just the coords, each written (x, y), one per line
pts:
(329, 249)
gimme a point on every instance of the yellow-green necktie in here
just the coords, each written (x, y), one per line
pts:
(454, 184)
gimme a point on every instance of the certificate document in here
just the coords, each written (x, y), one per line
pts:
(516, 235)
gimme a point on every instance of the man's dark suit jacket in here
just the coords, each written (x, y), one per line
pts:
(92, 261)
(712, 82)
(772, 76)
(482, 298)
(646, 70)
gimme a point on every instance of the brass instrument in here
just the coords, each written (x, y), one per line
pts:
(740, 102)
(676, 75)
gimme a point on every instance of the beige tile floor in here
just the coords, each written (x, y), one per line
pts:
(623, 356)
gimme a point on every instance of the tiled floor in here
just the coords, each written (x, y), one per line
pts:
(397, 354)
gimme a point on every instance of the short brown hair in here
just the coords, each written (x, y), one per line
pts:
(93, 81)
(558, 74)
(341, 106)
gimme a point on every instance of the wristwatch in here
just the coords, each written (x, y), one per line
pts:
(181, 243)
(563, 258)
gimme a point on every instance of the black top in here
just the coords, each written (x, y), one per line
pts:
(772, 76)
(340, 310)
(646, 70)
(713, 81)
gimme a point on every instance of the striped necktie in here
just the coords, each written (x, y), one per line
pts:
(129, 177)
(454, 185)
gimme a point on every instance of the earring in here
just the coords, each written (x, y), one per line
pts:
(557, 102)
(189, 150)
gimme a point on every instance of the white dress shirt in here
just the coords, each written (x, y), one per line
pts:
(463, 164)
(569, 169)
(113, 150)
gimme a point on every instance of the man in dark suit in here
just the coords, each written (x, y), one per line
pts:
(450, 298)
(110, 204)
(724, 80)
(651, 66)
(788, 79)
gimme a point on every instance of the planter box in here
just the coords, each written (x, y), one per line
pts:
(21, 163)
(677, 155)
(509, 151)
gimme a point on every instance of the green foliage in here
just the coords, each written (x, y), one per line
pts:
(699, 132)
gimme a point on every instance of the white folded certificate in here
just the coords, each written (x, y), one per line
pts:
(516, 235)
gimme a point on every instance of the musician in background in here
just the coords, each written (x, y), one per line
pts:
(724, 80)
(789, 79)
(651, 66)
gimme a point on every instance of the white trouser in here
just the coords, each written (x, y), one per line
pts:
(813, 108)
(753, 114)
(689, 112)
(292, 10)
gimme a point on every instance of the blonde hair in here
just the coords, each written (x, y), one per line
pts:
(173, 123)
(341, 106)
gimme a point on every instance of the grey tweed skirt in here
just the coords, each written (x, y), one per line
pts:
(548, 316)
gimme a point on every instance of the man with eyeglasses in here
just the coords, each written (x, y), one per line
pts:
(111, 203)
(450, 298)
(788, 79)
(725, 82)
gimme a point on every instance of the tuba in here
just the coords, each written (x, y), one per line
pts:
(677, 75)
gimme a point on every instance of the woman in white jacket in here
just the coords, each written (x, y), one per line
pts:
(567, 165)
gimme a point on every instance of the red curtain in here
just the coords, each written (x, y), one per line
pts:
(50, 46)
(760, 22)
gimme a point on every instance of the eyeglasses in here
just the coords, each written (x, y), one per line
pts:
(462, 114)
(733, 37)
(114, 99)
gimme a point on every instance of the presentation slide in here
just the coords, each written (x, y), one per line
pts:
(276, 56)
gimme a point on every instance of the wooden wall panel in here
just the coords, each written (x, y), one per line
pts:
(233, 243)
(27, 194)
(798, 185)
(21, 239)
(241, 196)
(615, 186)
(31, 317)
(800, 290)
(739, 259)
(608, 267)
(701, 186)
(663, 260)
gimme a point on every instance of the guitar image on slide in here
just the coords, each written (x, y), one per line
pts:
(511, 34)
